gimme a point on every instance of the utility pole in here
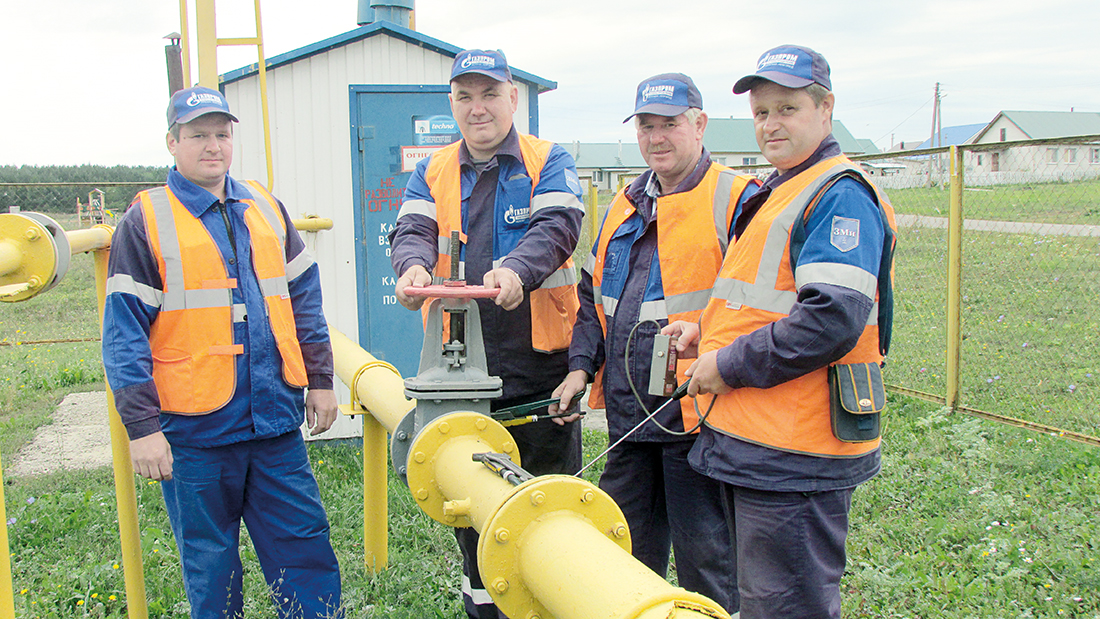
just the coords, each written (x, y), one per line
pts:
(932, 138)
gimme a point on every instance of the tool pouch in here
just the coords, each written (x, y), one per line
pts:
(856, 400)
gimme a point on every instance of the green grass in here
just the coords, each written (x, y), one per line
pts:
(968, 518)
(1051, 202)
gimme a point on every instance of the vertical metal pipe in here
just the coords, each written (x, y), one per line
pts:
(954, 279)
(173, 59)
(7, 599)
(185, 42)
(593, 210)
(125, 494)
(375, 496)
(207, 36)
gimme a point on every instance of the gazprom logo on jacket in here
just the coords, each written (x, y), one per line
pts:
(655, 91)
(517, 215)
(479, 61)
(845, 233)
(199, 98)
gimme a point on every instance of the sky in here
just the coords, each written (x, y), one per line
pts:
(85, 82)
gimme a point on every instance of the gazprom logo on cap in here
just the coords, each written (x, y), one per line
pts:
(480, 61)
(201, 98)
(658, 91)
(786, 60)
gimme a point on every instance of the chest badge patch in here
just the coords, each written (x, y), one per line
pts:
(845, 233)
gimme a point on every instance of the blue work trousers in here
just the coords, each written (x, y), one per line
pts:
(666, 502)
(269, 484)
(790, 550)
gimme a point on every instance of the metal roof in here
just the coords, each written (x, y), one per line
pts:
(1044, 125)
(606, 155)
(953, 136)
(370, 30)
(737, 135)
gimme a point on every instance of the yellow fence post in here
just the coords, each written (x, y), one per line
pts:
(954, 279)
(7, 600)
(594, 214)
(125, 493)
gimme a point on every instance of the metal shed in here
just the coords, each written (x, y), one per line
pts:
(317, 103)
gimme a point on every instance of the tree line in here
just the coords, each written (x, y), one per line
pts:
(33, 195)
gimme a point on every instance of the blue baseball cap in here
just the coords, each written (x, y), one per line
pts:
(667, 94)
(190, 103)
(485, 62)
(788, 65)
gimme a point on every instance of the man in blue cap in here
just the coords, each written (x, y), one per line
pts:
(800, 315)
(214, 342)
(654, 261)
(515, 200)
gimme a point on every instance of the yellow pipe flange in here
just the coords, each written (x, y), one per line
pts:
(448, 442)
(502, 539)
(37, 257)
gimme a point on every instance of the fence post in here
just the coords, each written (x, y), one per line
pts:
(7, 599)
(954, 279)
(594, 214)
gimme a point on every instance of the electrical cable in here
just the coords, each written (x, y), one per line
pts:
(638, 397)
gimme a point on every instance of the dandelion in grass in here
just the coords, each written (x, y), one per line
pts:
(111, 598)
(80, 602)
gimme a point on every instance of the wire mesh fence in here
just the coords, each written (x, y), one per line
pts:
(1030, 342)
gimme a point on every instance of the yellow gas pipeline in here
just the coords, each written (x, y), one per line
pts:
(552, 547)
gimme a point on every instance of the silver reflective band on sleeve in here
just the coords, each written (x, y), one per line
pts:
(687, 301)
(721, 206)
(844, 275)
(653, 310)
(555, 198)
(564, 276)
(274, 287)
(761, 297)
(417, 207)
(240, 312)
(125, 284)
(299, 265)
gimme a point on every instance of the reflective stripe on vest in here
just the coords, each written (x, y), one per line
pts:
(755, 288)
(691, 243)
(194, 365)
(554, 303)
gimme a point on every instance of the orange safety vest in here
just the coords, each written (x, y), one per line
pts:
(554, 304)
(690, 256)
(194, 366)
(756, 287)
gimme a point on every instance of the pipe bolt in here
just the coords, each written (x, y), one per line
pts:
(588, 496)
(444, 427)
(31, 234)
(481, 424)
(422, 494)
(419, 457)
(34, 282)
(538, 497)
(401, 470)
(508, 447)
(500, 585)
(532, 615)
(501, 535)
(402, 436)
(619, 530)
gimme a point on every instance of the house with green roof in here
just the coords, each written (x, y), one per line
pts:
(732, 141)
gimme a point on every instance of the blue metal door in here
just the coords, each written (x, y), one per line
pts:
(391, 127)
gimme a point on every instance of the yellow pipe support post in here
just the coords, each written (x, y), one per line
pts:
(207, 36)
(7, 599)
(954, 279)
(594, 219)
(125, 494)
(185, 43)
(377, 389)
